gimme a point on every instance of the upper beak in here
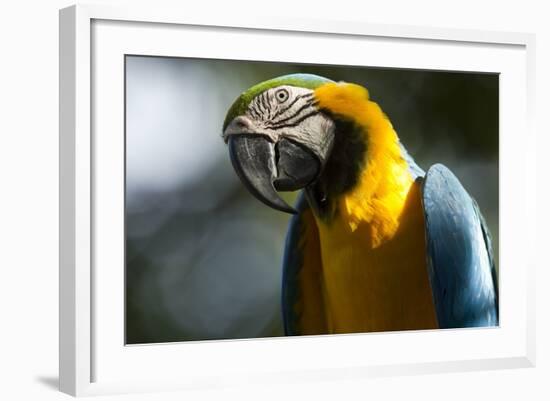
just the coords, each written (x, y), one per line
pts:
(265, 166)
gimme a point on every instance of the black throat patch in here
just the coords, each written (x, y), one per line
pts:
(342, 170)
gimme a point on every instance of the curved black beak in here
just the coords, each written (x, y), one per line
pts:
(265, 167)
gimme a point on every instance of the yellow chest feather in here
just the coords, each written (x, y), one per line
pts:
(377, 288)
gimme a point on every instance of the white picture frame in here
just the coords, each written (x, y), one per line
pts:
(93, 357)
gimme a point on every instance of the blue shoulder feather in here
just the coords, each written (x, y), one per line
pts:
(414, 169)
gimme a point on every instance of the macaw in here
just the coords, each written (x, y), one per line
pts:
(375, 243)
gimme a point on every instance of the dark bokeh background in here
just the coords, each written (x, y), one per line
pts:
(203, 258)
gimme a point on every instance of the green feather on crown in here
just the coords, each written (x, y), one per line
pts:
(240, 105)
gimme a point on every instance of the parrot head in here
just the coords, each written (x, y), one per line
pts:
(280, 138)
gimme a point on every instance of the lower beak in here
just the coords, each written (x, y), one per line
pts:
(265, 167)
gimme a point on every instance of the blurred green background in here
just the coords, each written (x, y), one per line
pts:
(203, 257)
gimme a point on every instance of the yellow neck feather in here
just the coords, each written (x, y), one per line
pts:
(379, 197)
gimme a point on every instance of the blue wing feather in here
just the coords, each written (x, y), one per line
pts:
(460, 262)
(292, 263)
(302, 293)
(489, 245)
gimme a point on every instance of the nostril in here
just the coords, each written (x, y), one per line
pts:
(242, 122)
(240, 125)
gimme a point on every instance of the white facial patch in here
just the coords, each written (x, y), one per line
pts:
(288, 112)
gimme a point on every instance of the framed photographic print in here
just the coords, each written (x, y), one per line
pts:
(238, 195)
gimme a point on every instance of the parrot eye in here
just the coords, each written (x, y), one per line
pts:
(282, 95)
